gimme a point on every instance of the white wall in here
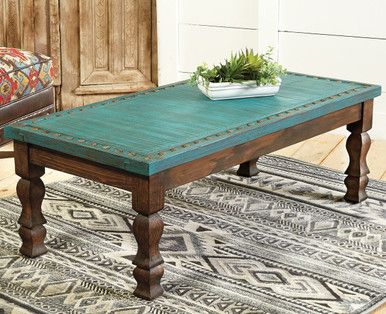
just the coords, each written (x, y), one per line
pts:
(204, 31)
(344, 39)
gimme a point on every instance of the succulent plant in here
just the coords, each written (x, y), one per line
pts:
(242, 66)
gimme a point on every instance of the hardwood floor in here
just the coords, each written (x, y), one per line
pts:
(327, 150)
(8, 178)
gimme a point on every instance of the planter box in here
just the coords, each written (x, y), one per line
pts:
(220, 91)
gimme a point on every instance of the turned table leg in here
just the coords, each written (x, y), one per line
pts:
(30, 190)
(148, 226)
(358, 144)
(248, 169)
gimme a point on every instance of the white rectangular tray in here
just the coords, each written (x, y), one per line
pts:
(220, 91)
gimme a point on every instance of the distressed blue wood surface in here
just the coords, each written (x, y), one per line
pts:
(151, 131)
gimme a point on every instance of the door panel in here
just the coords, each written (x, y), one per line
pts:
(115, 46)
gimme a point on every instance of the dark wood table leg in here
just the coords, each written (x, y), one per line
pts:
(148, 226)
(248, 169)
(30, 190)
(358, 144)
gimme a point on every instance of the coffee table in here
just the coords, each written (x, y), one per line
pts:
(159, 139)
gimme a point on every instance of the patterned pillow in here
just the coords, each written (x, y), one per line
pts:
(23, 73)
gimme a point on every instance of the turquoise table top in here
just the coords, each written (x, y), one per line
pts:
(151, 131)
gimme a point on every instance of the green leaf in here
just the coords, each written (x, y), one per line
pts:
(242, 66)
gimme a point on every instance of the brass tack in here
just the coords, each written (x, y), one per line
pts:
(250, 124)
(93, 144)
(339, 81)
(184, 145)
(106, 147)
(80, 109)
(148, 157)
(81, 141)
(130, 154)
(238, 128)
(208, 138)
(69, 137)
(119, 150)
(35, 129)
(161, 153)
(46, 131)
(173, 149)
(56, 134)
(229, 131)
(196, 142)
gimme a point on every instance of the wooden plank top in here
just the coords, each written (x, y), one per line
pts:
(147, 132)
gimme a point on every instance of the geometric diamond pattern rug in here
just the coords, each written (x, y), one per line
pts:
(281, 242)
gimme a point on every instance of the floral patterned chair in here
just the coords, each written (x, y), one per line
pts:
(25, 88)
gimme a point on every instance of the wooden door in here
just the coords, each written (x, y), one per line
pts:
(108, 48)
(100, 48)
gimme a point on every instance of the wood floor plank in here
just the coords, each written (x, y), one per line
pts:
(8, 184)
(316, 149)
(288, 151)
(8, 146)
(380, 310)
(338, 158)
(7, 165)
(376, 159)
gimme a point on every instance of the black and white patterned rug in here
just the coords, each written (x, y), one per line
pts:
(281, 242)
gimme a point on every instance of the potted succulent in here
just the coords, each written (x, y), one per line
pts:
(244, 74)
